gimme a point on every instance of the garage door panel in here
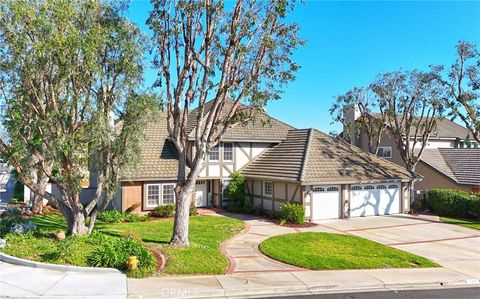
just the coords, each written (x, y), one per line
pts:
(370, 200)
(326, 202)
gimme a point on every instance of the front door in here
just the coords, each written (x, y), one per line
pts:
(201, 193)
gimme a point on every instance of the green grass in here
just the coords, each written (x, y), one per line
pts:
(463, 222)
(203, 256)
(325, 251)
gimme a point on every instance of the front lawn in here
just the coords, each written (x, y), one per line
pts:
(325, 251)
(463, 222)
(203, 256)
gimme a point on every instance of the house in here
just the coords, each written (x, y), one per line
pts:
(330, 178)
(450, 159)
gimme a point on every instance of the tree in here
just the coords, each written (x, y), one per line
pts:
(463, 82)
(410, 103)
(67, 68)
(238, 58)
(363, 100)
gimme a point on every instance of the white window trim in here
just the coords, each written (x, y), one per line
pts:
(223, 151)
(218, 151)
(386, 147)
(159, 195)
(168, 184)
(264, 193)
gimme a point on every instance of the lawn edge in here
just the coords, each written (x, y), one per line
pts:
(223, 249)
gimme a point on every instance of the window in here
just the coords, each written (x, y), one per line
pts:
(153, 195)
(332, 189)
(268, 189)
(168, 194)
(225, 189)
(318, 189)
(369, 188)
(214, 155)
(228, 151)
(381, 187)
(356, 188)
(392, 187)
(384, 152)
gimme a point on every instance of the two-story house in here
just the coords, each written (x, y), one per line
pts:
(330, 178)
(450, 158)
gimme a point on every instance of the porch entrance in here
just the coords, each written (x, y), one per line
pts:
(201, 195)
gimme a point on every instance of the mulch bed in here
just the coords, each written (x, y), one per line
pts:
(294, 225)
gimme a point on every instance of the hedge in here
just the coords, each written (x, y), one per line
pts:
(454, 203)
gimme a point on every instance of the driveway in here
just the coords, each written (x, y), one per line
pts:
(452, 246)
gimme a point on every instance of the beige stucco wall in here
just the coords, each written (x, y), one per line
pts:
(434, 179)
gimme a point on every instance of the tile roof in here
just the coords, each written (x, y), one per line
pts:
(263, 128)
(158, 157)
(312, 157)
(460, 164)
(445, 129)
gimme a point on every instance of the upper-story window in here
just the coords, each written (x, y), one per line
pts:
(214, 154)
(384, 152)
(228, 151)
(268, 189)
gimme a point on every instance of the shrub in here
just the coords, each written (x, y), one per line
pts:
(111, 216)
(236, 188)
(114, 253)
(454, 203)
(11, 217)
(164, 211)
(135, 218)
(292, 213)
(23, 227)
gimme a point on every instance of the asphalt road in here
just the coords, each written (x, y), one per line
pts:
(455, 293)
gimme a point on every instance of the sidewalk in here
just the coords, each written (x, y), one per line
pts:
(29, 282)
(296, 283)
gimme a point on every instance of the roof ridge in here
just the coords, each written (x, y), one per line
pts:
(305, 154)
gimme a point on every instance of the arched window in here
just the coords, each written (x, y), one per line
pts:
(356, 188)
(332, 189)
(318, 189)
(369, 187)
(381, 187)
(393, 187)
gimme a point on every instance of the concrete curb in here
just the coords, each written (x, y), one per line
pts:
(26, 263)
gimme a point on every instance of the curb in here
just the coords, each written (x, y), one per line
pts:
(26, 263)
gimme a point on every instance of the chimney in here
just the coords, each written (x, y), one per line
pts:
(350, 114)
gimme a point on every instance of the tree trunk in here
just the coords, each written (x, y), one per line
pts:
(183, 196)
(42, 182)
(78, 224)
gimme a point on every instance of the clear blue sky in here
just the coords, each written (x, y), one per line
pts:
(350, 42)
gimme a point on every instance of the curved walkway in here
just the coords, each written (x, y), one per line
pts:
(242, 250)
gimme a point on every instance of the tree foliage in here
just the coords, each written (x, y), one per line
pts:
(235, 55)
(463, 82)
(68, 68)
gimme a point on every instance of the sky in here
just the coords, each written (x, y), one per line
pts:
(349, 43)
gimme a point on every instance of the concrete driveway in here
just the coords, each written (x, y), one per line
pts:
(452, 246)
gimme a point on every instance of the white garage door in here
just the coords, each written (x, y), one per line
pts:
(369, 200)
(326, 202)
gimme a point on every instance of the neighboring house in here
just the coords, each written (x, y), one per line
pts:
(330, 178)
(450, 158)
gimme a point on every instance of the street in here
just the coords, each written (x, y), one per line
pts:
(453, 293)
